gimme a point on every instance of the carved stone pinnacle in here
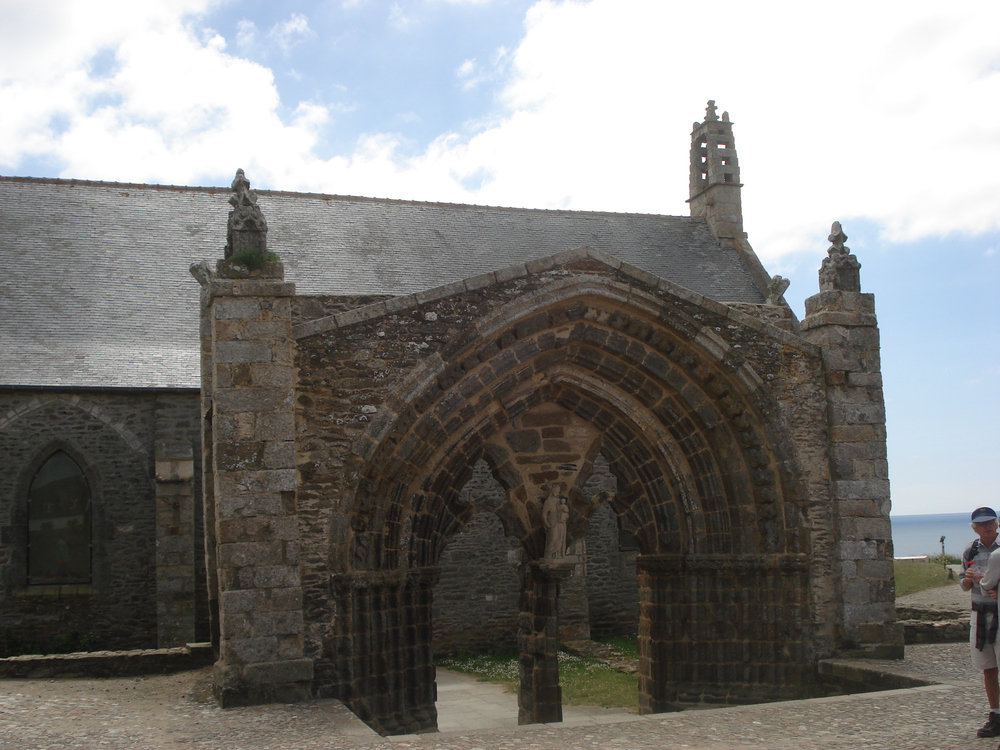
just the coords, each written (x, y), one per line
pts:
(837, 238)
(247, 229)
(840, 271)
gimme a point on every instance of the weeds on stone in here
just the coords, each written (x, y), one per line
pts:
(252, 259)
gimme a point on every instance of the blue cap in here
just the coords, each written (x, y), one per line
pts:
(980, 515)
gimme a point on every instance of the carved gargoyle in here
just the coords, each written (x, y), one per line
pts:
(776, 288)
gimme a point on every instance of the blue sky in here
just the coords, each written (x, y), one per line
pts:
(885, 116)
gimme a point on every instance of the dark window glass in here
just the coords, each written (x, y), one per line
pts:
(59, 523)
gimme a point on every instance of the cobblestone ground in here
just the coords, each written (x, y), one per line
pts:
(176, 712)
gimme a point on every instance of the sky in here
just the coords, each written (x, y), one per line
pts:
(882, 114)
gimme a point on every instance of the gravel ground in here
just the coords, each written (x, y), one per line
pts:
(945, 598)
(176, 711)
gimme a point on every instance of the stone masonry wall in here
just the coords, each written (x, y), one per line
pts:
(476, 597)
(112, 436)
(612, 592)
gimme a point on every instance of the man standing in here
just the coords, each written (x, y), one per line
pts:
(983, 629)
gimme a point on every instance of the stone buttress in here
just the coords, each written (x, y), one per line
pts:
(251, 503)
(841, 321)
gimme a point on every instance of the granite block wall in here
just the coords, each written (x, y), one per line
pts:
(138, 596)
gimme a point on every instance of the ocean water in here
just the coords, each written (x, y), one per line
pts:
(920, 535)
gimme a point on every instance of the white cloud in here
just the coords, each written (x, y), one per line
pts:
(834, 118)
(180, 108)
(398, 18)
(862, 113)
(466, 69)
(246, 33)
(287, 34)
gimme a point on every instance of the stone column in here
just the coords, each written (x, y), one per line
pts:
(175, 582)
(540, 698)
(725, 629)
(255, 480)
(841, 321)
(383, 659)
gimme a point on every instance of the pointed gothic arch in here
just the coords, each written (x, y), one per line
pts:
(671, 404)
(59, 515)
(706, 470)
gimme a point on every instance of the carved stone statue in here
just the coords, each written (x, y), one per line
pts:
(555, 515)
(840, 270)
(776, 288)
(247, 229)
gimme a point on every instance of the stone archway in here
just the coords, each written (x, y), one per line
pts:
(707, 486)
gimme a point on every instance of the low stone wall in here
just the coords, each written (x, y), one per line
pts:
(933, 624)
(110, 663)
(945, 631)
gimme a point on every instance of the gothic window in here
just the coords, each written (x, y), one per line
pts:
(59, 528)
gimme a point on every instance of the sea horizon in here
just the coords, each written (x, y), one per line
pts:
(920, 534)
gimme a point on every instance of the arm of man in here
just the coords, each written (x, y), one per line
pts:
(991, 577)
(965, 577)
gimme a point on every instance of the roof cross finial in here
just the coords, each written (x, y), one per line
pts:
(710, 115)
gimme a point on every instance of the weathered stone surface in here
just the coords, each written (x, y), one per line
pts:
(727, 470)
(254, 479)
(139, 595)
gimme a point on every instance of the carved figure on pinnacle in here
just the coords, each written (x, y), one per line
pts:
(247, 229)
(841, 270)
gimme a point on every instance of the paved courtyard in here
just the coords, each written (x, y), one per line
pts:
(176, 711)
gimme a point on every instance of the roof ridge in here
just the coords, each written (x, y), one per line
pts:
(71, 182)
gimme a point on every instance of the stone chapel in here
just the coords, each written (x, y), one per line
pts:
(370, 430)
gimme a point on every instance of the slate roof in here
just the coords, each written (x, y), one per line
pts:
(95, 289)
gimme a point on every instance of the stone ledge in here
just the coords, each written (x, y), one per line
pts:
(110, 663)
(859, 677)
(838, 318)
(935, 631)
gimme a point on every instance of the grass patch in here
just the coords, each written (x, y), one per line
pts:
(498, 665)
(626, 645)
(584, 682)
(917, 575)
(588, 682)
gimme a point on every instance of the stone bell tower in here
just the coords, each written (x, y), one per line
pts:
(715, 188)
(715, 177)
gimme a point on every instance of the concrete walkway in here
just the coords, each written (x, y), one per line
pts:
(466, 704)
